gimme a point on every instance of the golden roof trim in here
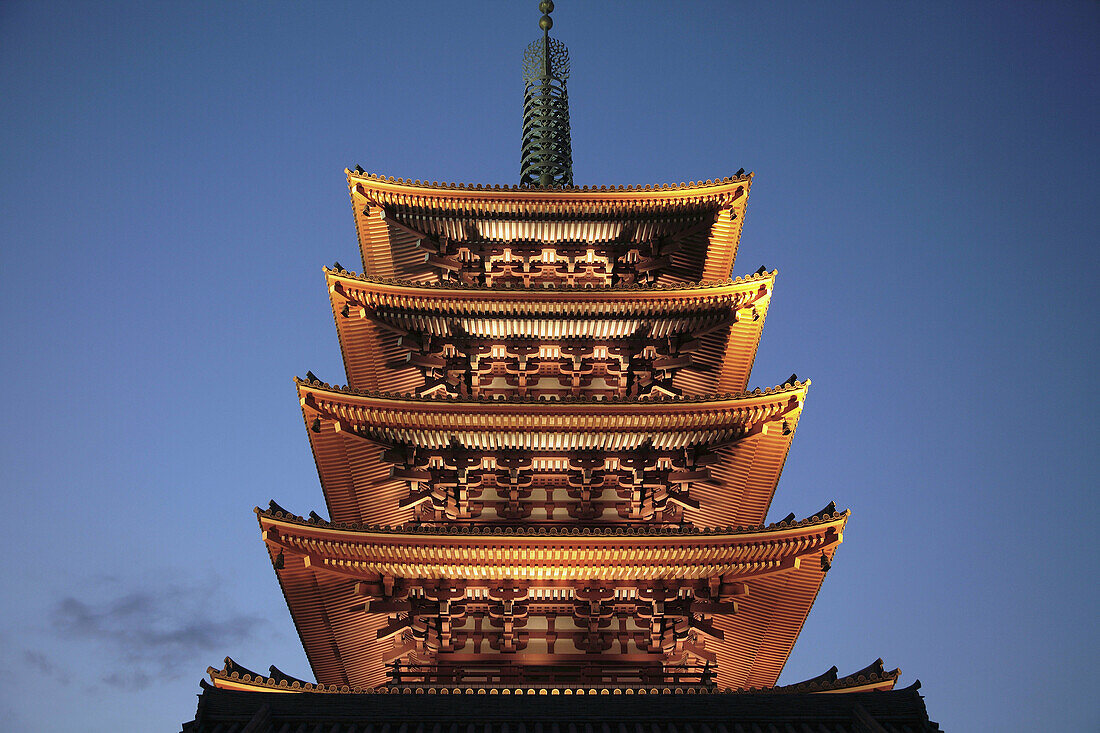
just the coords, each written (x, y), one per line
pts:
(408, 185)
(632, 289)
(236, 677)
(402, 399)
(874, 676)
(827, 515)
(480, 556)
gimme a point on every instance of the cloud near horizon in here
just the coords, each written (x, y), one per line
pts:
(144, 635)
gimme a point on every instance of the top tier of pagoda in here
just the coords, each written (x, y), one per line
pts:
(581, 236)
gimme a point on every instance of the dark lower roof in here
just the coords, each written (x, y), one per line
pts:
(228, 711)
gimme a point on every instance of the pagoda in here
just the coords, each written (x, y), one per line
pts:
(546, 475)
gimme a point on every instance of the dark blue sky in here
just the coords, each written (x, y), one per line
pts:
(173, 183)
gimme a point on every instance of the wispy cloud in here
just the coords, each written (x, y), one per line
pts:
(42, 664)
(142, 635)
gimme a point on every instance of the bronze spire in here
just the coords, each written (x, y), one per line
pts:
(547, 157)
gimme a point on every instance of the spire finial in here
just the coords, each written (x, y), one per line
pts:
(547, 157)
(546, 22)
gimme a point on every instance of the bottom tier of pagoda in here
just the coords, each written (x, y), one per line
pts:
(237, 700)
(550, 606)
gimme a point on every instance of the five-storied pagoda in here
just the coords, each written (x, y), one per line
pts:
(546, 479)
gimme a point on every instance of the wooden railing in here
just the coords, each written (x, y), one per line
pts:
(569, 675)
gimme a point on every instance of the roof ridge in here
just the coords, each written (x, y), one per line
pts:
(275, 511)
(785, 388)
(513, 287)
(360, 174)
(828, 681)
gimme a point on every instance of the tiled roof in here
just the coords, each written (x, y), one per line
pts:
(235, 676)
(827, 514)
(538, 711)
(793, 387)
(693, 186)
(559, 291)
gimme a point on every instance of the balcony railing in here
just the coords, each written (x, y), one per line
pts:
(482, 674)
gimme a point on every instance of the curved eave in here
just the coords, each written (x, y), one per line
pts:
(725, 357)
(370, 290)
(367, 554)
(250, 684)
(394, 189)
(759, 638)
(874, 677)
(355, 408)
(734, 555)
(882, 685)
(389, 249)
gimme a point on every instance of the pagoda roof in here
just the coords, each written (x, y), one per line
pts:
(653, 710)
(724, 360)
(234, 676)
(392, 214)
(525, 552)
(489, 191)
(695, 415)
(318, 564)
(453, 295)
(874, 676)
(348, 430)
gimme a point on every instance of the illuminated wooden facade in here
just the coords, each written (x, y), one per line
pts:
(547, 476)
(546, 468)
(547, 479)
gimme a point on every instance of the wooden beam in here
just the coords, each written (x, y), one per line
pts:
(714, 607)
(388, 655)
(701, 652)
(683, 500)
(392, 629)
(432, 242)
(708, 629)
(415, 498)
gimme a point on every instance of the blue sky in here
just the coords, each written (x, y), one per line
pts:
(173, 183)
